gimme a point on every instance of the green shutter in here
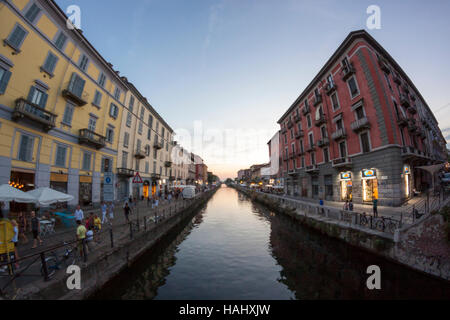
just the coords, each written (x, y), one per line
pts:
(43, 101)
(4, 81)
(31, 93)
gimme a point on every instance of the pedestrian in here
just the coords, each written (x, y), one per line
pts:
(90, 221)
(126, 211)
(81, 236)
(15, 240)
(79, 215)
(22, 221)
(375, 207)
(346, 205)
(111, 211)
(35, 227)
(350, 205)
(148, 201)
(104, 208)
(89, 238)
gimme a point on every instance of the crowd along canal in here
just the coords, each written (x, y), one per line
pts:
(236, 249)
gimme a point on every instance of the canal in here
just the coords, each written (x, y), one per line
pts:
(236, 249)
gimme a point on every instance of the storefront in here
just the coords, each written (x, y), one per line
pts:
(369, 185)
(315, 186)
(58, 182)
(346, 186)
(85, 190)
(123, 189)
(304, 187)
(146, 189)
(407, 180)
(23, 180)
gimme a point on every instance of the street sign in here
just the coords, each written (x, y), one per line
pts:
(108, 187)
(137, 178)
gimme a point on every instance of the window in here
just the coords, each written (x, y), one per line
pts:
(150, 121)
(154, 166)
(129, 118)
(131, 105)
(126, 139)
(102, 79)
(302, 149)
(335, 102)
(26, 148)
(293, 148)
(303, 162)
(365, 145)
(138, 145)
(354, 91)
(359, 113)
(149, 134)
(323, 131)
(155, 153)
(92, 123)
(5, 75)
(37, 97)
(113, 111)
(50, 63)
(137, 165)
(292, 133)
(16, 37)
(299, 126)
(86, 166)
(124, 159)
(313, 158)
(60, 41)
(106, 165)
(328, 181)
(68, 114)
(345, 63)
(326, 156)
(285, 139)
(330, 80)
(339, 124)
(84, 62)
(311, 139)
(147, 150)
(142, 113)
(76, 85)
(308, 120)
(61, 152)
(343, 149)
(140, 127)
(147, 167)
(109, 135)
(386, 76)
(32, 13)
(117, 93)
(97, 98)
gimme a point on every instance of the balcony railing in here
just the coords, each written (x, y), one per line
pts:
(360, 124)
(297, 118)
(404, 101)
(78, 97)
(140, 154)
(306, 110)
(311, 148)
(33, 112)
(91, 138)
(330, 88)
(317, 100)
(158, 145)
(412, 127)
(339, 134)
(412, 109)
(397, 79)
(312, 169)
(323, 142)
(402, 121)
(384, 65)
(168, 164)
(300, 134)
(342, 162)
(124, 172)
(156, 176)
(301, 153)
(347, 71)
(321, 120)
(283, 130)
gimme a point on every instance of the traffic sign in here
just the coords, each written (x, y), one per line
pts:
(108, 186)
(137, 178)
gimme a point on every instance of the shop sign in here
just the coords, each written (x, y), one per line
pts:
(57, 177)
(85, 179)
(369, 173)
(406, 169)
(346, 176)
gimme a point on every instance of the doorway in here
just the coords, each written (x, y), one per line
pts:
(370, 189)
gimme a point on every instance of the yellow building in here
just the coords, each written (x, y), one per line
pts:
(60, 103)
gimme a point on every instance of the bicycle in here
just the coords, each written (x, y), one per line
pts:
(53, 263)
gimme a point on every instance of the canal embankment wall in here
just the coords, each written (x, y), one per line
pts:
(422, 246)
(110, 262)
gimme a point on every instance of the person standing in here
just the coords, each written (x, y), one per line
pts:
(35, 227)
(104, 212)
(79, 215)
(15, 240)
(126, 211)
(22, 227)
(81, 237)
(375, 207)
(346, 205)
(350, 205)
(111, 211)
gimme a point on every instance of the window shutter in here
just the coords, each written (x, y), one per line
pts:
(4, 81)
(17, 36)
(29, 149)
(43, 101)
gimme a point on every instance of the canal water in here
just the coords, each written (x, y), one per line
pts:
(236, 249)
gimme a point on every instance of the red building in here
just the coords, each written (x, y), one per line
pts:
(359, 130)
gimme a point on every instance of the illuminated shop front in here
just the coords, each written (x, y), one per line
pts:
(146, 189)
(369, 185)
(346, 186)
(407, 179)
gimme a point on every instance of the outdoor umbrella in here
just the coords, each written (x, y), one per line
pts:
(8, 193)
(47, 196)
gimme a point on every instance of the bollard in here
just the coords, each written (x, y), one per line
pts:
(131, 231)
(111, 237)
(44, 266)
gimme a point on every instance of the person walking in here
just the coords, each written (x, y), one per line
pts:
(350, 205)
(127, 211)
(81, 237)
(346, 205)
(79, 215)
(15, 240)
(35, 227)
(111, 212)
(104, 208)
(22, 221)
(375, 207)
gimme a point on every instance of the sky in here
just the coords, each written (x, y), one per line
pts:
(225, 71)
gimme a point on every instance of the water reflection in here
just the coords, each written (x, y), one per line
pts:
(236, 249)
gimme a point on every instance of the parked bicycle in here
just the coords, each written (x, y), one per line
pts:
(53, 263)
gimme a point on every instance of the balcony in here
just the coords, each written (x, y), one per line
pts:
(412, 109)
(412, 127)
(317, 100)
(323, 142)
(124, 172)
(301, 153)
(33, 112)
(397, 79)
(156, 176)
(292, 172)
(412, 153)
(91, 138)
(360, 124)
(290, 124)
(300, 134)
(384, 65)
(339, 134)
(311, 148)
(174, 143)
(342, 163)
(306, 110)
(292, 156)
(330, 88)
(168, 164)
(421, 133)
(158, 145)
(312, 169)
(402, 121)
(283, 130)
(413, 97)
(172, 178)
(75, 95)
(347, 71)
(404, 101)
(405, 87)
(140, 154)
(297, 118)
(321, 120)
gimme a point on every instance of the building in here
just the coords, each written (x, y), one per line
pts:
(181, 163)
(61, 104)
(191, 170)
(255, 172)
(244, 175)
(145, 147)
(359, 130)
(275, 173)
(201, 171)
